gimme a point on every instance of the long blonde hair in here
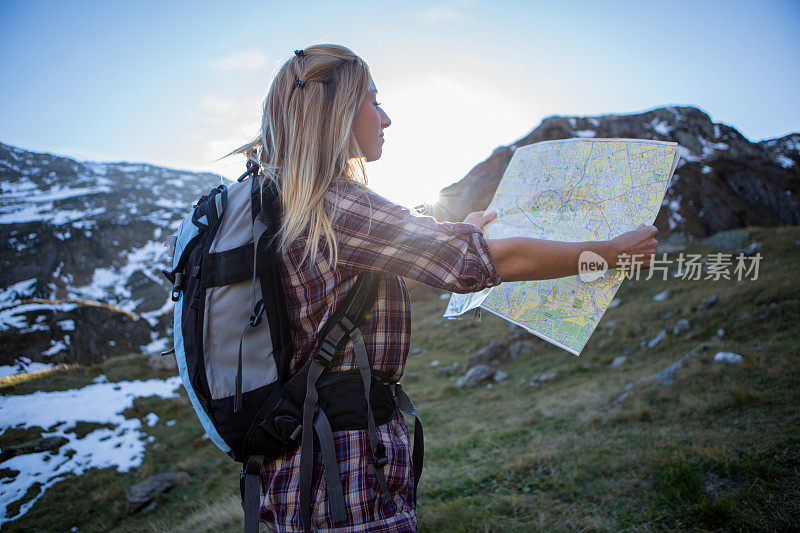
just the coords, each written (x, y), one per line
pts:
(306, 142)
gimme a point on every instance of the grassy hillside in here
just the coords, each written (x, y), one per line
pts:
(596, 448)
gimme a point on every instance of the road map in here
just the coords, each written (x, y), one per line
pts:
(572, 190)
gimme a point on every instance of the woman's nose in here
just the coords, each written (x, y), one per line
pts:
(385, 122)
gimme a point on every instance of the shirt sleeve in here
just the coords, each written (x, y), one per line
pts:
(375, 234)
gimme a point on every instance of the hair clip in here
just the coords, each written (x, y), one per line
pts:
(299, 53)
(299, 83)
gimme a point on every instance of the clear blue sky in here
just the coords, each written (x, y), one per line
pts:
(179, 83)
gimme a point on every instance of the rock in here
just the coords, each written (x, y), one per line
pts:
(142, 493)
(156, 362)
(728, 357)
(746, 187)
(720, 333)
(614, 303)
(521, 347)
(708, 302)
(500, 375)
(408, 376)
(449, 370)
(620, 398)
(493, 354)
(416, 350)
(750, 250)
(658, 338)
(620, 360)
(680, 326)
(435, 363)
(547, 376)
(475, 375)
(661, 296)
(674, 243)
(666, 376)
(444, 296)
(734, 239)
(541, 378)
(32, 446)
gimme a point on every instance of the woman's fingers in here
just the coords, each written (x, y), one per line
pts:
(639, 243)
(480, 218)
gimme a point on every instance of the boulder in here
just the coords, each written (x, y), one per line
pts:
(142, 493)
(493, 354)
(541, 378)
(658, 338)
(520, 347)
(661, 296)
(708, 302)
(618, 361)
(728, 357)
(733, 239)
(449, 370)
(475, 375)
(680, 326)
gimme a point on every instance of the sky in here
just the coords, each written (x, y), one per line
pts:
(180, 84)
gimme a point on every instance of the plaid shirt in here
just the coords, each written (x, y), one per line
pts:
(373, 234)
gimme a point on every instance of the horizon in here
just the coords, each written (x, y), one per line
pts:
(180, 85)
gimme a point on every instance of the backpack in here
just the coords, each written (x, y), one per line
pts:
(233, 347)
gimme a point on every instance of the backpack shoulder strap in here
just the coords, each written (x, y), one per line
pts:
(266, 224)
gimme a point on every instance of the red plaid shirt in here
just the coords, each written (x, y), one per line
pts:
(373, 234)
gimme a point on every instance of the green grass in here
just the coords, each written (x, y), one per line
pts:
(716, 450)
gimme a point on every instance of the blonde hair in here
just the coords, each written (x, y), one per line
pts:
(306, 142)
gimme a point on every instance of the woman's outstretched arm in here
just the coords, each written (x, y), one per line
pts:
(522, 258)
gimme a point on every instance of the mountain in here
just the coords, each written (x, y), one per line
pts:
(82, 246)
(723, 180)
(83, 242)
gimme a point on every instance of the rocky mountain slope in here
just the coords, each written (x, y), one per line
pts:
(82, 246)
(723, 180)
(82, 242)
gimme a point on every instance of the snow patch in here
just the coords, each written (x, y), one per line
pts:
(23, 365)
(121, 447)
(14, 317)
(710, 147)
(585, 133)
(660, 126)
(687, 155)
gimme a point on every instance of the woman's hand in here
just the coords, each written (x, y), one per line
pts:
(640, 243)
(480, 218)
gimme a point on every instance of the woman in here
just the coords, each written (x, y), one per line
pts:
(320, 122)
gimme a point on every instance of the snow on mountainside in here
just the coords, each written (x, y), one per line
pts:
(723, 180)
(83, 244)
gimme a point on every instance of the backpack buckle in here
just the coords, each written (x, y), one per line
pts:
(379, 455)
(325, 353)
(258, 313)
(176, 289)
